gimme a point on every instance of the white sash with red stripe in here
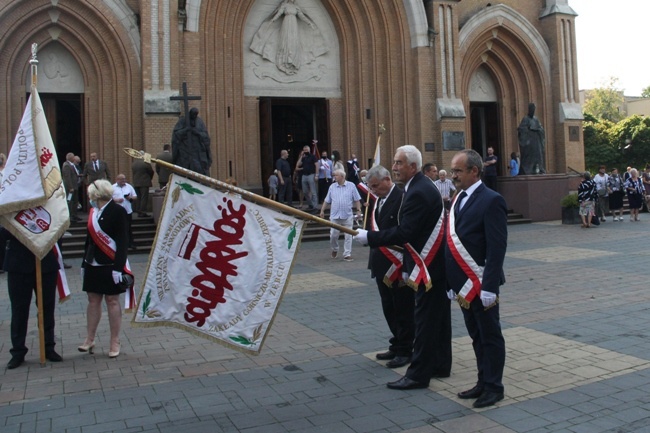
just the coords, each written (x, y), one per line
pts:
(394, 273)
(62, 288)
(107, 245)
(420, 273)
(474, 272)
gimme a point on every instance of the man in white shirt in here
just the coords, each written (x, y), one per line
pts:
(124, 195)
(446, 188)
(341, 196)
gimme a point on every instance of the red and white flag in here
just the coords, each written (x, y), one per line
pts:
(33, 205)
(218, 267)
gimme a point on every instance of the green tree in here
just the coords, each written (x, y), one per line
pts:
(599, 147)
(645, 93)
(605, 102)
(632, 136)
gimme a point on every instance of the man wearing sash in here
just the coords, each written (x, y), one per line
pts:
(475, 249)
(420, 232)
(397, 300)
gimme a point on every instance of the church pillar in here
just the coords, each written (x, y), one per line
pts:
(450, 111)
(558, 29)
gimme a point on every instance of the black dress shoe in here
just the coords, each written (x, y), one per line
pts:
(398, 361)
(439, 375)
(406, 383)
(15, 362)
(52, 356)
(471, 393)
(66, 266)
(488, 398)
(385, 356)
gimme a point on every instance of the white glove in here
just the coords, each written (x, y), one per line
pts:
(362, 236)
(451, 295)
(488, 298)
(81, 272)
(117, 277)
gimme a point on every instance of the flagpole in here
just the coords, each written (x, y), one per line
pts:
(381, 130)
(250, 196)
(39, 273)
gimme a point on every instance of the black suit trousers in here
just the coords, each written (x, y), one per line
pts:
(432, 346)
(398, 304)
(21, 287)
(489, 346)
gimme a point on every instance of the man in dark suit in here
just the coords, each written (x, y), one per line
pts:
(397, 300)
(474, 253)
(95, 169)
(420, 231)
(163, 172)
(142, 175)
(71, 184)
(20, 264)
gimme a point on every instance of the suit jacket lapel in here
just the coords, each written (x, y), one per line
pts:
(470, 200)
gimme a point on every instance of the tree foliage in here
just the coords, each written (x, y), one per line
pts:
(622, 144)
(645, 93)
(605, 102)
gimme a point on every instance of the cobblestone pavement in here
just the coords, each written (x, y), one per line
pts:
(574, 313)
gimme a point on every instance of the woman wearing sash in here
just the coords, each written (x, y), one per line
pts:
(104, 263)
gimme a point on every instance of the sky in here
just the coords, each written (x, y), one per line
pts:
(612, 41)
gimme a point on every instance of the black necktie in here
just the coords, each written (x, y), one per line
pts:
(96, 166)
(460, 198)
(380, 204)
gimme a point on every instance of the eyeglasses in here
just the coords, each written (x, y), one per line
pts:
(454, 171)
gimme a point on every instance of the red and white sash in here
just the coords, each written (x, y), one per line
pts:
(394, 273)
(107, 245)
(62, 288)
(420, 273)
(474, 272)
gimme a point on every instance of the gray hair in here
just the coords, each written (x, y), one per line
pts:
(586, 175)
(442, 173)
(100, 189)
(339, 172)
(473, 160)
(412, 154)
(377, 172)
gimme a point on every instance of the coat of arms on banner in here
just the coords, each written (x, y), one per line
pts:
(219, 265)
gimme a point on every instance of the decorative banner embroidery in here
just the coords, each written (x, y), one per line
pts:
(219, 266)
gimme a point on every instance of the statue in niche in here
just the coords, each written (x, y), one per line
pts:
(289, 38)
(532, 143)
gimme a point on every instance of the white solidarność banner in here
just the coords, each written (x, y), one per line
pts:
(218, 267)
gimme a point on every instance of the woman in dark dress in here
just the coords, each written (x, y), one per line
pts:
(617, 190)
(635, 191)
(104, 263)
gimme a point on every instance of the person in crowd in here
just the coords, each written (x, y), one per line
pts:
(341, 197)
(70, 178)
(104, 264)
(124, 195)
(353, 170)
(490, 169)
(95, 169)
(514, 164)
(446, 188)
(627, 174)
(162, 171)
(430, 170)
(20, 265)
(601, 179)
(273, 185)
(397, 301)
(142, 174)
(324, 170)
(337, 163)
(477, 238)
(635, 193)
(283, 168)
(617, 190)
(420, 231)
(587, 197)
(307, 167)
(645, 178)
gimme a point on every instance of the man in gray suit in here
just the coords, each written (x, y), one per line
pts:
(142, 175)
(71, 185)
(95, 169)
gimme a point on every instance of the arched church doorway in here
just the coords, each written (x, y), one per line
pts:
(64, 114)
(291, 124)
(485, 125)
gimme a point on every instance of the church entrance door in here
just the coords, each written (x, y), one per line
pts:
(64, 113)
(290, 123)
(484, 118)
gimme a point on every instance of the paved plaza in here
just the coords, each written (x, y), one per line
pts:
(575, 313)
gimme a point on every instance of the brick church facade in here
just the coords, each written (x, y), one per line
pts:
(274, 74)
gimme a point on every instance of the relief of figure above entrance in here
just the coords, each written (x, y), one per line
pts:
(290, 39)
